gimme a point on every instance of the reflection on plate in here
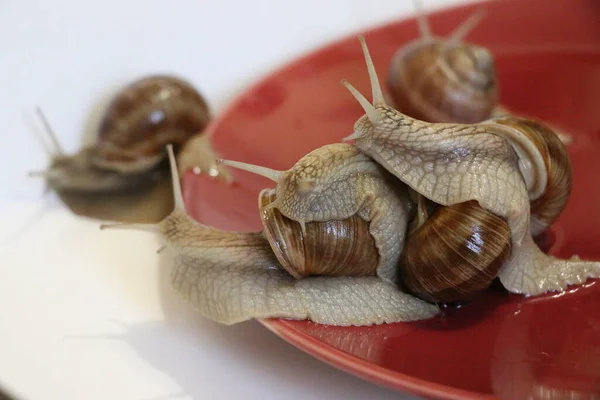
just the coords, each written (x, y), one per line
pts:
(502, 345)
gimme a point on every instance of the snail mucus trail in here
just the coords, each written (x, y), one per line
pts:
(122, 176)
(494, 168)
(446, 79)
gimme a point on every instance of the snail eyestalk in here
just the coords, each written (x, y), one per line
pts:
(39, 174)
(58, 150)
(153, 228)
(466, 27)
(378, 99)
(371, 111)
(268, 173)
(422, 22)
(177, 193)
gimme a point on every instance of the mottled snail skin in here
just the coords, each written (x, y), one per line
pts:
(336, 182)
(455, 254)
(232, 277)
(449, 163)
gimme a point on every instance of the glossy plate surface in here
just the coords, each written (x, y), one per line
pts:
(503, 345)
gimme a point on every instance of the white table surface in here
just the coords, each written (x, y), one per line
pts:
(81, 315)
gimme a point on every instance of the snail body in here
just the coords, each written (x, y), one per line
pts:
(333, 183)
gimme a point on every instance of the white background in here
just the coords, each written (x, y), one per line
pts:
(108, 327)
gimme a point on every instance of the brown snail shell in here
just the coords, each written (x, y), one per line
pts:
(331, 248)
(144, 117)
(437, 82)
(130, 145)
(546, 209)
(455, 254)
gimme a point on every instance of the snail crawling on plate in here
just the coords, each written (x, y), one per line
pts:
(446, 79)
(129, 149)
(352, 232)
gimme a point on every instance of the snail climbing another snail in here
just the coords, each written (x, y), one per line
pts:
(501, 163)
(446, 79)
(232, 277)
(384, 197)
(121, 176)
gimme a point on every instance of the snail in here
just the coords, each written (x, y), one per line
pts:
(128, 154)
(439, 79)
(396, 173)
(513, 168)
(232, 277)
(446, 79)
(454, 254)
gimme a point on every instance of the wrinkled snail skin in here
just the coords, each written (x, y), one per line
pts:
(141, 119)
(231, 277)
(338, 181)
(455, 163)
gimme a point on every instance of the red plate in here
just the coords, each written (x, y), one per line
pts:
(503, 345)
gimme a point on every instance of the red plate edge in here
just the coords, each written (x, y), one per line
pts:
(364, 369)
(307, 343)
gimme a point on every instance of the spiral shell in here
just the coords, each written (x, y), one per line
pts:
(143, 118)
(455, 254)
(439, 82)
(332, 248)
(546, 209)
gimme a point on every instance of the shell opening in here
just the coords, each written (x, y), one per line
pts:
(268, 173)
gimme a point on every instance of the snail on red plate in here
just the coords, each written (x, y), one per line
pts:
(468, 191)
